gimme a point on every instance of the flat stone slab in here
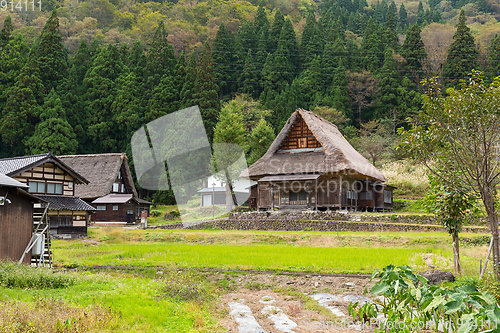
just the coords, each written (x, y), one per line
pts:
(323, 300)
(281, 321)
(242, 314)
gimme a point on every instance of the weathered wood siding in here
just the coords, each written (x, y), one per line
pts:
(48, 173)
(300, 136)
(120, 215)
(16, 226)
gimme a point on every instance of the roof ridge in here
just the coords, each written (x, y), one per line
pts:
(26, 156)
(93, 155)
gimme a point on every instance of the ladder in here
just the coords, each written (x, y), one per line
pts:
(39, 244)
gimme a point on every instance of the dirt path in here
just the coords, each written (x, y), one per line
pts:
(262, 303)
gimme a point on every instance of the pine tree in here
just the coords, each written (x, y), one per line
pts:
(288, 43)
(403, 17)
(260, 19)
(388, 85)
(249, 77)
(54, 133)
(371, 48)
(413, 50)
(307, 35)
(493, 69)
(100, 90)
(12, 60)
(420, 14)
(82, 61)
(311, 83)
(22, 109)
(49, 55)
(246, 36)
(278, 23)
(462, 53)
(277, 72)
(127, 110)
(164, 99)
(222, 54)
(339, 92)
(6, 32)
(137, 61)
(180, 76)
(187, 95)
(207, 91)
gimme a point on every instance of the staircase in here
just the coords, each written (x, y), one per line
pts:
(39, 245)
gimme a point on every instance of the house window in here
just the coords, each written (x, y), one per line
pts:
(123, 188)
(296, 196)
(119, 175)
(101, 207)
(115, 207)
(387, 197)
(369, 196)
(116, 187)
(302, 142)
(54, 188)
(37, 187)
(130, 212)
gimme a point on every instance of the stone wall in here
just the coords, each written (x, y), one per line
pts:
(319, 225)
(339, 216)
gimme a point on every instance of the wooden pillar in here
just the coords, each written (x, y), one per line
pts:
(316, 194)
(340, 193)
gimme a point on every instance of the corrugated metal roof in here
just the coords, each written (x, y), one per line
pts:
(289, 177)
(10, 182)
(66, 203)
(113, 198)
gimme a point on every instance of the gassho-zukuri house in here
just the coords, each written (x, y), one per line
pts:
(310, 165)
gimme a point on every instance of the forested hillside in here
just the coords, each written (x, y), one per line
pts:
(84, 77)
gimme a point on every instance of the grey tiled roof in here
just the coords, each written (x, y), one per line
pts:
(9, 182)
(11, 165)
(66, 203)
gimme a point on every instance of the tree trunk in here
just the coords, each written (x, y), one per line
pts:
(229, 199)
(489, 205)
(456, 254)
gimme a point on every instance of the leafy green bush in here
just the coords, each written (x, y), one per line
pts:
(410, 304)
(194, 202)
(155, 213)
(13, 275)
(186, 286)
(175, 213)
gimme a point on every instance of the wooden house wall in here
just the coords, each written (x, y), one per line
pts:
(300, 136)
(68, 221)
(120, 215)
(48, 173)
(254, 194)
(332, 192)
(16, 226)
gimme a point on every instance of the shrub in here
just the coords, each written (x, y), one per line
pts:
(13, 275)
(155, 213)
(186, 286)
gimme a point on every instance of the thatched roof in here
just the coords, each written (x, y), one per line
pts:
(336, 156)
(101, 171)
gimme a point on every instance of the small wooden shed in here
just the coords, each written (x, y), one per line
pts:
(120, 208)
(16, 218)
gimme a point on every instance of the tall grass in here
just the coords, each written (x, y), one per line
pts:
(53, 316)
(409, 179)
(14, 275)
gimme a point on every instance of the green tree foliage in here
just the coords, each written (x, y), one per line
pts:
(456, 137)
(388, 86)
(462, 53)
(100, 89)
(259, 140)
(249, 76)
(187, 95)
(6, 32)
(372, 48)
(278, 23)
(49, 55)
(12, 59)
(54, 133)
(206, 91)
(413, 50)
(493, 68)
(22, 109)
(222, 54)
(403, 17)
(287, 44)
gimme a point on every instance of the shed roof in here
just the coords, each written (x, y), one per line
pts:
(16, 165)
(119, 199)
(10, 182)
(65, 203)
(101, 170)
(337, 155)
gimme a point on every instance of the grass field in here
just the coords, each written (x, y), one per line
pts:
(259, 250)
